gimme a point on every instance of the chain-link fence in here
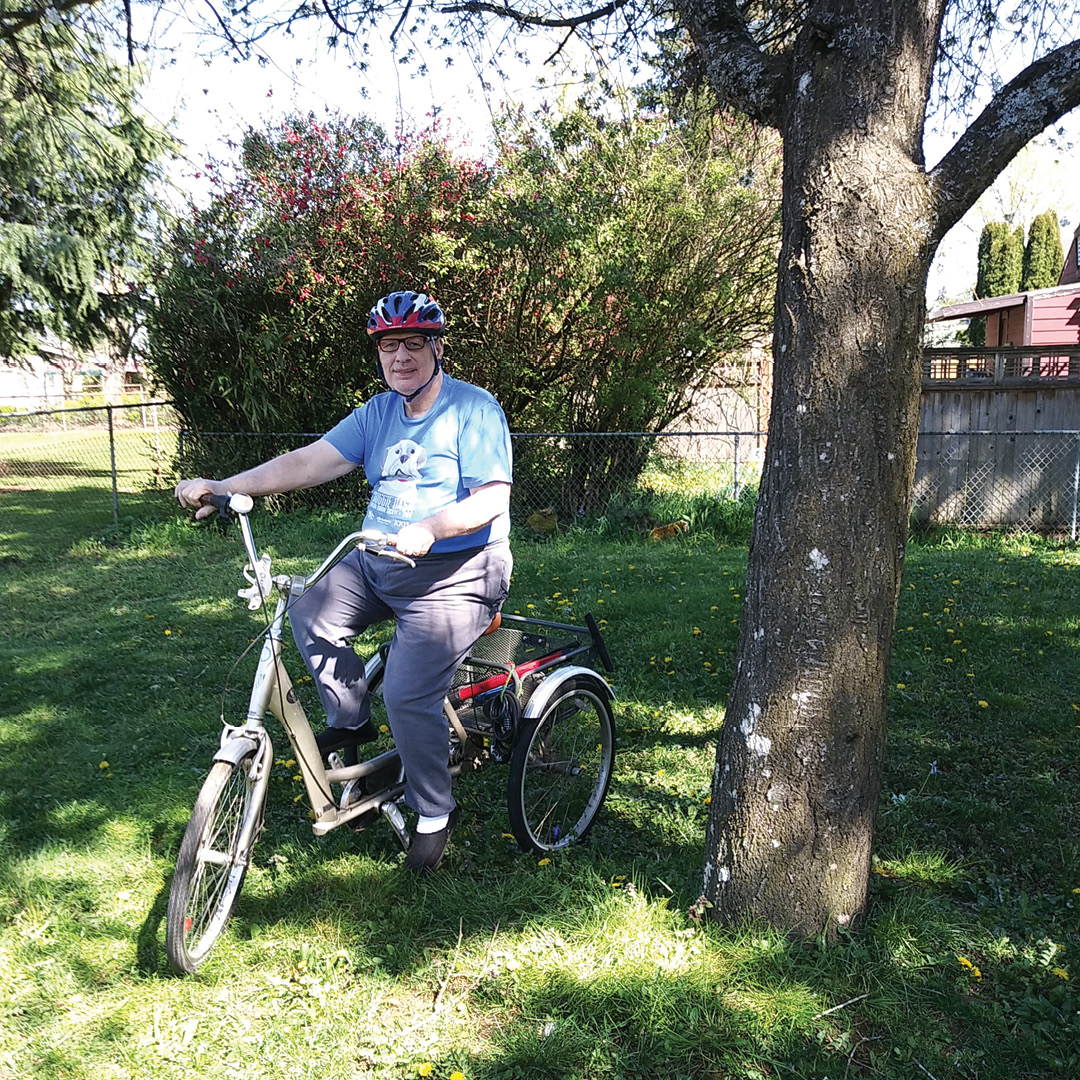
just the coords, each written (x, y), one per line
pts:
(999, 480)
(67, 475)
(626, 477)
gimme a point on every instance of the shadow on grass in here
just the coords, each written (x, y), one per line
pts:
(1000, 801)
(36, 522)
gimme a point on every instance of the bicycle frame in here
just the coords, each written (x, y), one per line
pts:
(273, 691)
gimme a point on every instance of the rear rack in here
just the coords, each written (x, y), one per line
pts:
(519, 654)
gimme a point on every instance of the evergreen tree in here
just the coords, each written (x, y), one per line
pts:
(76, 163)
(1043, 256)
(1001, 257)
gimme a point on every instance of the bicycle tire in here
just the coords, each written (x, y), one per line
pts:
(561, 767)
(211, 865)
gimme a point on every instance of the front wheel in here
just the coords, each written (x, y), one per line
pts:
(561, 766)
(213, 859)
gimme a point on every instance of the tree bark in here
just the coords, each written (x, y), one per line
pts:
(798, 768)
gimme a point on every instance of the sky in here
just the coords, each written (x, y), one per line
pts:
(216, 99)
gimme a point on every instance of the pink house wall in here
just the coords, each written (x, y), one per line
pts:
(1055, 320)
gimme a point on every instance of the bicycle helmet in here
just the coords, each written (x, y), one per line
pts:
(406, 311)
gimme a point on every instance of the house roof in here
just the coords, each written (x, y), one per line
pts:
(997, 303)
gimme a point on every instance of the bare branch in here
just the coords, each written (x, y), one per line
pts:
(562, 45)
(225, 28)
(482, 7)
(1041, 94)
(127, 34)
(398, 24)
(337, 25)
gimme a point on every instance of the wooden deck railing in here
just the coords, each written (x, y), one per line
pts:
(1007, 367)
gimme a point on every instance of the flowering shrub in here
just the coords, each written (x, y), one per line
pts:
(594, 276)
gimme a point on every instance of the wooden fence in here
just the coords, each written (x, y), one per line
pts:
(999, 439)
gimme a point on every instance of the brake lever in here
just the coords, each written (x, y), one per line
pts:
(261, 583)
(390, 553)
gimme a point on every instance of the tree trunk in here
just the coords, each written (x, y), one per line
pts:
(798, 769)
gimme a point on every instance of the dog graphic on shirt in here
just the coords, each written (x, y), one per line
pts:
(394, 497)
(403, 463)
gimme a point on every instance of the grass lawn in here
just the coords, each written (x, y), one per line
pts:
(118, 656)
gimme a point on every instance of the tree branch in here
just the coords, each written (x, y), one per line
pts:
(337, 25)
(404, 16)
(740, 72)
(225, 28)
(482, 7)
(1041, 94)
(13, 22)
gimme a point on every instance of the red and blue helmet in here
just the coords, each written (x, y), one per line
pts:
(406, 311)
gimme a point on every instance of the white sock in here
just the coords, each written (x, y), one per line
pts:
(432, 824)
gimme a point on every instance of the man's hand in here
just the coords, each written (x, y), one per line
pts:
(192, 492)
(415, 540)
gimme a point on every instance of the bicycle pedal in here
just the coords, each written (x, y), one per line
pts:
(352, 792)
(393, 815)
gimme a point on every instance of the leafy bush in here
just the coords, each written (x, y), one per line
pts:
(594, 277)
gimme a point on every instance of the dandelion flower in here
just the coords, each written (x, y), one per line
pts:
(103, 765)
(544, 862)
(1061, 973)
(457, 1076)
(984, 704)
(425, 1069)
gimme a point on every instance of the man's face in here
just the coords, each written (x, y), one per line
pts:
(407, 369)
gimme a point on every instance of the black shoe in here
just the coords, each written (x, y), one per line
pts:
(338, 738)
(427, 849)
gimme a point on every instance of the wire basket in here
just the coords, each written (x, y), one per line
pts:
(495, 653)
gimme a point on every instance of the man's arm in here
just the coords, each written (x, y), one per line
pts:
(309, 466)
(482, 506)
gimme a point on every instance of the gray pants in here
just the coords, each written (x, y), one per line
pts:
(441, 608)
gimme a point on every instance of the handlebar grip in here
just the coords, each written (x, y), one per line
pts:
(238, 503)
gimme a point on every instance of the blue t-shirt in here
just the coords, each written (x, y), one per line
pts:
(419, 466)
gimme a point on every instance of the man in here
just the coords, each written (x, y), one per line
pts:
(436, 452)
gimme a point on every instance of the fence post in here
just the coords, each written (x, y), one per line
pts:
(735, 484)
(1076, 482)
(157, 442)
(112, 462)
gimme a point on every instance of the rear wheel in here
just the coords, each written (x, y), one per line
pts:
(561, 766)
(213, 860)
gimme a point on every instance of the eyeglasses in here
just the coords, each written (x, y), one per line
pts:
(412, 344)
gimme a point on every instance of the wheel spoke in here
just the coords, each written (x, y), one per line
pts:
(211, 865)
(562, 767)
